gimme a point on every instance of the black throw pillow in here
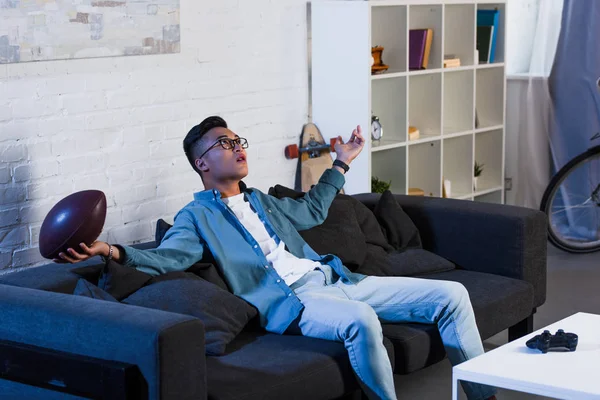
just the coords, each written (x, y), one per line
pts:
(409, 262)
(115, 279)
(400, 231)
(340, 234)
(162, 227)
(87, 289)
(370, 226)
(204, 268)
(224, 315)
(281, 192)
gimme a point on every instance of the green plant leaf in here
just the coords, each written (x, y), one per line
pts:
(379, 186)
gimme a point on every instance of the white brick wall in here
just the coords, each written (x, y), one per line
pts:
(116, 124)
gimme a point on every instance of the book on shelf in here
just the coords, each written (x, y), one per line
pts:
(420, 41)
(489, 18)
(484, 42)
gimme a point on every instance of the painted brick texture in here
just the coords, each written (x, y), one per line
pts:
(117, 124)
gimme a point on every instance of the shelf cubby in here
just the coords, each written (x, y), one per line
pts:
(500, 37)
(459, 32)
(388, 30)
(389, 103)
(424, 167)
(458, 165)
(486, 153)
(489, 97)
(492, 197)
(429, 17)
(458, 101)
(390, 166)
(424, 110)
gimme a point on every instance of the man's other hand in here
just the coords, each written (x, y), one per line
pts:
(347, 152)
(71, 256)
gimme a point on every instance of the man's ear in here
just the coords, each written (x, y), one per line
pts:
(201, 165)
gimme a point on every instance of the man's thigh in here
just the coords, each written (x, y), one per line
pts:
(404, 299)
(328, 312)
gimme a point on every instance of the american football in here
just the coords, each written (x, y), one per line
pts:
(77, 218)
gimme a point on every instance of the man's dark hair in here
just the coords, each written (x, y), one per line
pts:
(195, 135)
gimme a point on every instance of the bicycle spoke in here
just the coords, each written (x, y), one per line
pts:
(582, 205)
(572, 205)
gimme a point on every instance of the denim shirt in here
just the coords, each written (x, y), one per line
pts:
(207, 223)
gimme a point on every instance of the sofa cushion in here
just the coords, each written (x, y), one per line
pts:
(364, 216)
(162, 227)
(409, 262)
(416, 346)
(115, 279)
(370, 226)
(224, 315)
(208, 272)
(498, 301)
(204, 268)
(262, 365)
(339, 234)
(400, 231)
(86, 289)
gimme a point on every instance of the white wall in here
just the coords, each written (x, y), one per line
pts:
(520, 32)
(117, 124)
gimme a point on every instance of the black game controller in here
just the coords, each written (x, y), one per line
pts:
(547, 341)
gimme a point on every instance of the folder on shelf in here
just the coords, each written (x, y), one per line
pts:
(419, 46)
(489, 18)
(484, 43)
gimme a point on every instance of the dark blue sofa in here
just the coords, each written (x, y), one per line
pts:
(498, 252)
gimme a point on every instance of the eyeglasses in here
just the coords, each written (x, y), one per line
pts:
(228, 144)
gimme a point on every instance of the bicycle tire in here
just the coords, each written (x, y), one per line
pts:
(548, 197)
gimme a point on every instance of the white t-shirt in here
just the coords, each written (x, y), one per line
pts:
(287, 265)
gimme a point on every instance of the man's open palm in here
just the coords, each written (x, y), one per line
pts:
(348, 151)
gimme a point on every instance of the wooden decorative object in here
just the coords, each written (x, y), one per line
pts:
(378, 65)
(413, 133)
(415, 192)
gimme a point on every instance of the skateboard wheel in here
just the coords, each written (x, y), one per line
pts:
(291, 151)
(332, 144)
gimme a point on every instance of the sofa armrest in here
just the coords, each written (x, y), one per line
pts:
(168, 348)
(493, 238)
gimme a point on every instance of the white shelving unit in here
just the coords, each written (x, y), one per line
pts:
(460, 112)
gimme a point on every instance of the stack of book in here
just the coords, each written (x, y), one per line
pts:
(451, 61)
(419, 47)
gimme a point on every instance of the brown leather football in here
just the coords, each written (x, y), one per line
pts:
(77, 218)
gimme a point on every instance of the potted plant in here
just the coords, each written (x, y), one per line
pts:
(477, 170)
(379, 186)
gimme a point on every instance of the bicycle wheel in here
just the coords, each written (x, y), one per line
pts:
(572, 204)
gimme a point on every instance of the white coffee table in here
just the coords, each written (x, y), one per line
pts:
(563, 375)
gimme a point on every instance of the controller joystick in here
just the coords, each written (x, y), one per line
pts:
(546, 341)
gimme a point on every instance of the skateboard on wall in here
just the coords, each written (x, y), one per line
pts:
(313, 154)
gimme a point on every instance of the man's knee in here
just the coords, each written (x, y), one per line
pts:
(455, 293)
(362, 317)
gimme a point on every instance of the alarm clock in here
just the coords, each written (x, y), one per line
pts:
(376, 128)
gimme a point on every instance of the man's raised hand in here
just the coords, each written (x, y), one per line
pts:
(348, 151)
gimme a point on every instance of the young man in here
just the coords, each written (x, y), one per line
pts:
(255, 242)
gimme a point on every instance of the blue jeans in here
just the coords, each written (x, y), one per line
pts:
(351, 313)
